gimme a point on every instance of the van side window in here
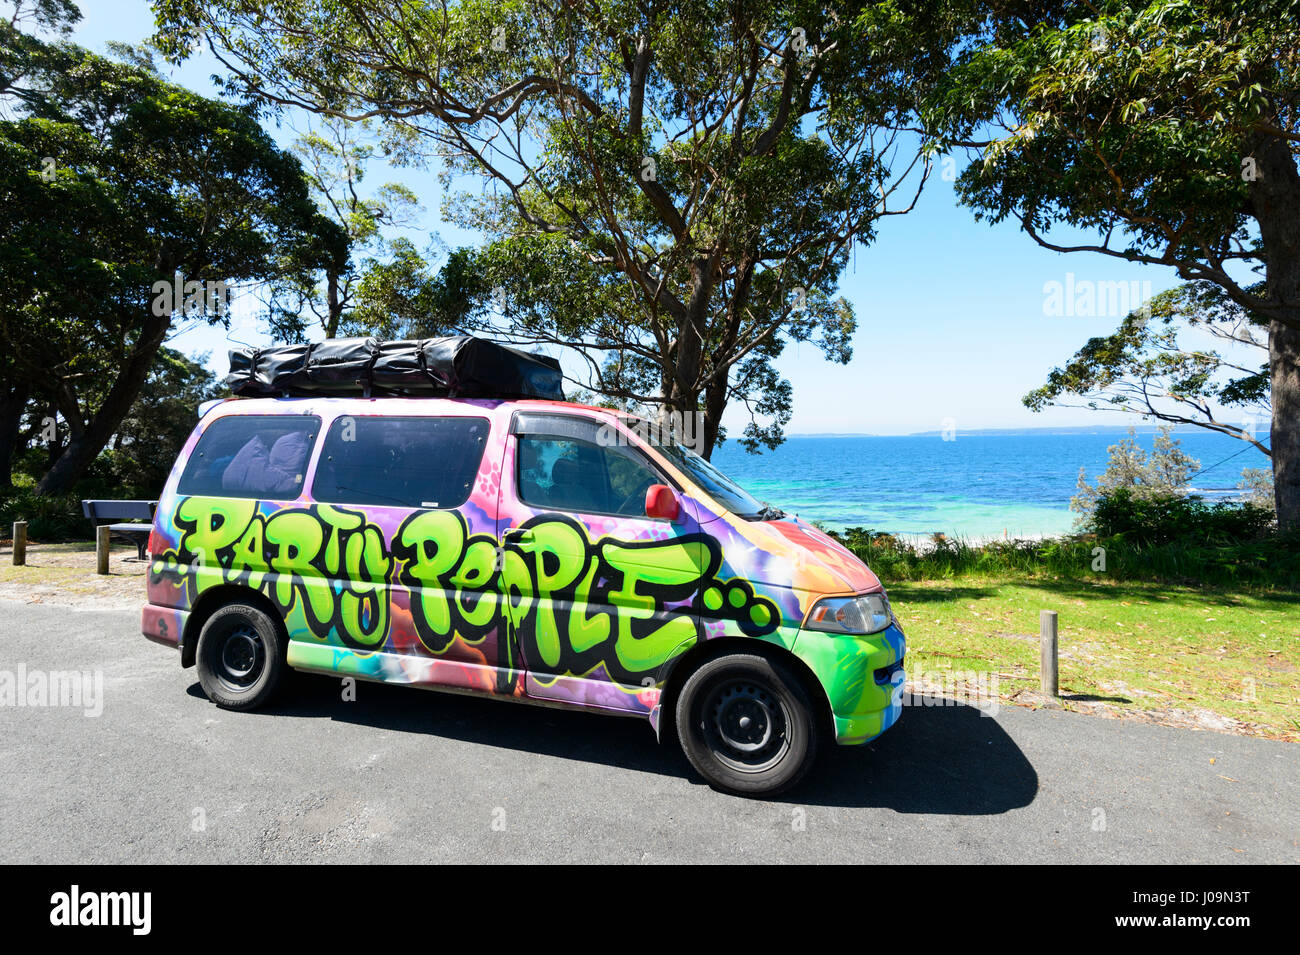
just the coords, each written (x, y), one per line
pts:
(400, 461)
(563, 473)
(259, 456)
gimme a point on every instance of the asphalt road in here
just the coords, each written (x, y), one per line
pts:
(161, 775)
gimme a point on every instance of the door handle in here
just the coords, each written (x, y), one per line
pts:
(519, 535)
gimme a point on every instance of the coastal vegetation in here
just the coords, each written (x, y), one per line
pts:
(1264, 563)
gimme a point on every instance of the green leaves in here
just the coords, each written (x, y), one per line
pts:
(115, 182)
(1128, 118)
(1143, 369)
(658, 182)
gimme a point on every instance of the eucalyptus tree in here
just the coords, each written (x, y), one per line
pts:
(701, 170)
(131, 206)
(1190, 356)
(335, 156)
(1162, 132)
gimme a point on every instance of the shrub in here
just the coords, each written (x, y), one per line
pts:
(1266, 561)
(48, 518)
(1170, 520)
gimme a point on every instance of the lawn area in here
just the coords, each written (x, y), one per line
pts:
(1174, 654)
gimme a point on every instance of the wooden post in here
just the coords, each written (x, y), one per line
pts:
(1047, 653)
(20, 543)
(101, 548)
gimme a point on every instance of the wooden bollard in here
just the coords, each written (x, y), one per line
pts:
(101, 548)
(1048, 682)
(20, 543)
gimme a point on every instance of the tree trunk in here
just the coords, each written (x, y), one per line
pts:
(1284, 369)
(690, 344)
(335, 307)
(1275, 196)
(83, 447)
(12, 406)
(53, 448)
(715, 403)
(684, 396)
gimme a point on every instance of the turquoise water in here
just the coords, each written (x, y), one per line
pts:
(974, 486)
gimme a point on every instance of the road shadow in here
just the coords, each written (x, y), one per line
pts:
(937, 759)
(1093, 698)
(903, 592)
(948, 760)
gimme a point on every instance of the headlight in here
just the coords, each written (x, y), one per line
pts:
(866, 613)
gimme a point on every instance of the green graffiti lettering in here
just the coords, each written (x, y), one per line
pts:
(559, 554)
(475, 588)
(674, 566)
(517, 586)
(293, 539)
(212, 525)
(363, 604)
(586, 629)
(572, 604)
(247, 555)
(451, 576)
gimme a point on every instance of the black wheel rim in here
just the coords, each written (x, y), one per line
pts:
(241, 658)
(746, 725)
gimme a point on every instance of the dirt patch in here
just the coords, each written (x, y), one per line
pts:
(63, 575)
(1194, 718)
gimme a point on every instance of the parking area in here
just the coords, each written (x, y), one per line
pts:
(398, 775)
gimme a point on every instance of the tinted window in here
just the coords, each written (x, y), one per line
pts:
(400, 462)
(261, 456)
(570, 473)
(726, 491)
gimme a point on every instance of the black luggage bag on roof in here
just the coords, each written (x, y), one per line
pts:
(461, 366)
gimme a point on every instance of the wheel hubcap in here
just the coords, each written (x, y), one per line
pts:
(746, 725)
(242, 657)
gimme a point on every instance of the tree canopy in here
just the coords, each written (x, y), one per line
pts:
(700, 170)
(1148, 367)
(1161, 132)
(132, 206)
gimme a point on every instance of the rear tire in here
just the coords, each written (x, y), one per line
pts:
(240, 657)
(747, 725)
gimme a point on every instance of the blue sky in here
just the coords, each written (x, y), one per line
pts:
(951, 321)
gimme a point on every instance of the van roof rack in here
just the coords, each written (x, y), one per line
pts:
(460, 366)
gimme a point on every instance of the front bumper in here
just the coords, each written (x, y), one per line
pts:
(862, 676)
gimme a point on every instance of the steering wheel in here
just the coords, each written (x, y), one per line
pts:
(637, 497)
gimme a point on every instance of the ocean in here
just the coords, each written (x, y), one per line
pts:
(978, 485)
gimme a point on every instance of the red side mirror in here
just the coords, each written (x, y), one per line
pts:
(660, 501)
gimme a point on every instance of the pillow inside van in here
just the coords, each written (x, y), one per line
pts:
(249, 465)
(288, 455)
(262, 473)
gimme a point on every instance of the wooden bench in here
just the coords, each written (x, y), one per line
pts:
(103, 513)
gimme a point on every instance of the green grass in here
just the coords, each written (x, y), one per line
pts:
(1133, 646)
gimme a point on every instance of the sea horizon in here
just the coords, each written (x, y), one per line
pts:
(978, 484)
(1117, 429)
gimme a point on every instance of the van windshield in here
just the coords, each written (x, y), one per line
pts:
(722, 488)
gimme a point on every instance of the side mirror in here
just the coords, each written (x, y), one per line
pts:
(660, 501)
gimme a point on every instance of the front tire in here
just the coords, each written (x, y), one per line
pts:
(746, 724)
(240, 657)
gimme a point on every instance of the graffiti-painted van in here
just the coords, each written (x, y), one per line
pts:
(533, 550)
